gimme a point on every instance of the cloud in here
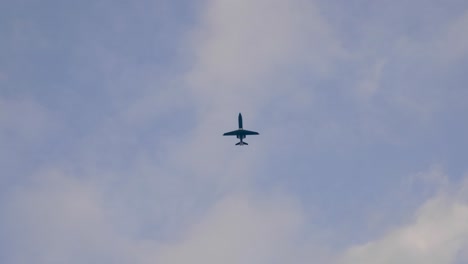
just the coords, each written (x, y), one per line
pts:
(438, 234)
(55, 218)
(242, 48)
(238, 229)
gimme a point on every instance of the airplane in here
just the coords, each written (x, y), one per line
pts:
(240, 133)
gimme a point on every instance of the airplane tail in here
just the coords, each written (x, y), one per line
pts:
(241, 143)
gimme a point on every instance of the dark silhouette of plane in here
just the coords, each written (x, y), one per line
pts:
(240, 133)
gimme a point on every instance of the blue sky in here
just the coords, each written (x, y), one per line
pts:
(111, 116)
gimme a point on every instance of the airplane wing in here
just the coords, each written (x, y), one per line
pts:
(240, 132)
(247, 132)
(232, 133)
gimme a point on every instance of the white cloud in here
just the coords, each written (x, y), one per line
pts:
(238, 229)
(55, 218)
(242, 46)
(438, 234)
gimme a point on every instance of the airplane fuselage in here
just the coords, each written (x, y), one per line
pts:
(240, 128)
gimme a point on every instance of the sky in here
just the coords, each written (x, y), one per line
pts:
(112, 115)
